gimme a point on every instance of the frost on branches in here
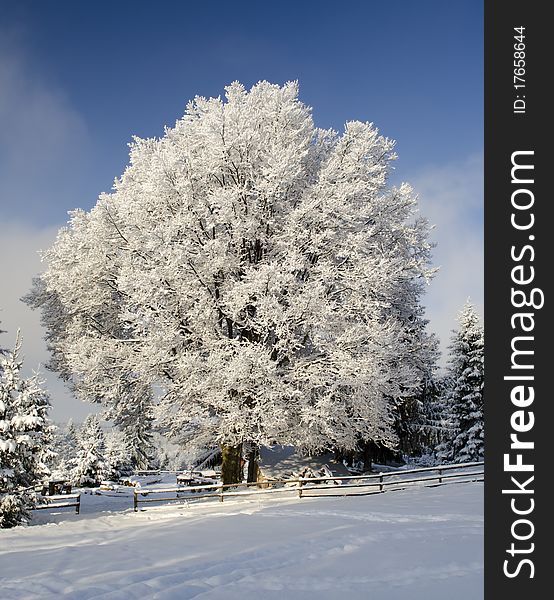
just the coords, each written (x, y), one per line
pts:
(258, 271)
(25, 434)
(127, 399)
(465, 391)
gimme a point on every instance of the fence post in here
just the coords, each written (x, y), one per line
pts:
(380, 482)
(300, 488)
(135, 500)
(221, 495)
(440, 473)
(78, 507)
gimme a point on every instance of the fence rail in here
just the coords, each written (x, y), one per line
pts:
(60, 501)
(372, 484)
(142, 472)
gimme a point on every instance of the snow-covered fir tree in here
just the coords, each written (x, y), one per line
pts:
(433, 423)
(65, 446)
(119, 457)
(91, 467)
(259, 272)
(464, 393)
(25, 436)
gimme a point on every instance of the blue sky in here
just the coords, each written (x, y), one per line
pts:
(78, 79)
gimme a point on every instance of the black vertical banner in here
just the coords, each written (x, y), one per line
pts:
(519, 267)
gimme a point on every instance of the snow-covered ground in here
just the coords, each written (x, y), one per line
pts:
(416, 544)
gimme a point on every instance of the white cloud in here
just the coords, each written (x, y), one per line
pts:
(20, 262)
(451, 197)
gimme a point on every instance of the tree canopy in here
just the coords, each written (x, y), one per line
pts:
(255, 277)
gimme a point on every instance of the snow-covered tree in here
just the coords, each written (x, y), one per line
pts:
(128, 401)
(91, 465)
(464, 394)
(259, 273)
(432, 423)
(64, 444)
(25, 435)
(118, 454)
(71, 436)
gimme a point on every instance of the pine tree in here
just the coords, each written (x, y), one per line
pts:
(91, 465)
(434, 429)
(464, 395)
(65, 446)
(118, 455)
(25, 436)
(3, 351)
(71, 437)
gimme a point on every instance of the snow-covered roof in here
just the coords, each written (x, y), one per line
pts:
(282, 462)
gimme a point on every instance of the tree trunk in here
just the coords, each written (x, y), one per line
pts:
(231, 468)
(368, 456)
(342, 456)
(377, 453)
(252, 475)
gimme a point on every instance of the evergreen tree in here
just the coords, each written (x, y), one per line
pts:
(434, 429)
(65, 446)
(118, 454)
(91, 466)
(464, 394)
(71, 437)
(25, 436)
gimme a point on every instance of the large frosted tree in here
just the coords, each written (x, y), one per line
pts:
(256, 274)
(463, 404)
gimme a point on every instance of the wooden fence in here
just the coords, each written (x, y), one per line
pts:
(60, 501)
(317, 486)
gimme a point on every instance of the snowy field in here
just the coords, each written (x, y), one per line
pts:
(417, 544)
